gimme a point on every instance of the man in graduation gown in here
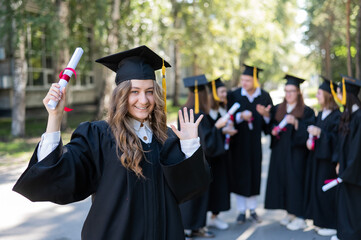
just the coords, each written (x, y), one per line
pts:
(124, 205)
(348, 155)
(245, 159)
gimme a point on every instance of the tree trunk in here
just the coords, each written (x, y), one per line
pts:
(348, 40)
(358, 43)
(177, 70)
(112, 42)
(328, 68)
(19, 69)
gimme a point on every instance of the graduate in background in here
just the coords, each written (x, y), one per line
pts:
(245, 161)
(136, 169)
(348, 156)
(321, 206)
(194, 212)
(286, 175)
(219, 196)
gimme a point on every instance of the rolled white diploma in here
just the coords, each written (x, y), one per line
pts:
(232, 110)
(331, 184)
(72, 64)
(283, 123)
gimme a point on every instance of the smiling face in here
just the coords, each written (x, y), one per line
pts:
(222, 94)
(292, 93)
(141, 99)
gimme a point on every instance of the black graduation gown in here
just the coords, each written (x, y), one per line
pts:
(319, 205)
(124, 206)
(194, 212)
(286, 174)
(245, 154)
(219, 196)
(349, 191)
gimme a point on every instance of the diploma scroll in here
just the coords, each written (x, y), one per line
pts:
(232, 110)
(331, 184)
(68, 72)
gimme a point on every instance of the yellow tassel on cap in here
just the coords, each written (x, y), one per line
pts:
(196, 100)
(255, 82)
(164, 86)
(343, 102)
(337, 99)
(214, 91)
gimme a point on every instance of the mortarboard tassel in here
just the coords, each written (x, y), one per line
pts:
(343, 102)
(214, 91)
(196, 100)
(337, 99)
(255, 82)
(164, 86)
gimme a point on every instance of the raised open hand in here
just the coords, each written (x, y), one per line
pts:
(188, 128)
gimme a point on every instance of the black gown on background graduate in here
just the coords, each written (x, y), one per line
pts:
(319, 205)
(349, 191)
(286, 174)
(219, 196)
(124, 205)
(245, 158)
(194, 212)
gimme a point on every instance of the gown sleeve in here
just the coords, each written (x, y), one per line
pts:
(300, 136)
(187, 178)
(212, 140)
(326, 144)
(69, 173)
(352, 172)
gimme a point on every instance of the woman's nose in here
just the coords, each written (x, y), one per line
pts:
(143, 98)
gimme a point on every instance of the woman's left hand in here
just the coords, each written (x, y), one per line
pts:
(188, 128)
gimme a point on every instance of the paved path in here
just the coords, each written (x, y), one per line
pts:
(22, 219)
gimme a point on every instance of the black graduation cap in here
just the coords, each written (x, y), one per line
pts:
(353, 85)
(217, 82)
(137, 63)
(190, 82)
(325, 85)
(195, 84)
(249, 70)
(293, 80)
(213, 85)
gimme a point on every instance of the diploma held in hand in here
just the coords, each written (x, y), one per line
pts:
(331, 184)
(232, 110)
(68, 72)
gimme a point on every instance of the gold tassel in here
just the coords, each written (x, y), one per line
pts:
(337, 99)
(196, 100)
(164, 86)
(343, 102)
(255, 82)
(214, 91)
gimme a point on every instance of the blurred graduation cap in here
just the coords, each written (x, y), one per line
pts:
(347, 85)
(292, 80)
(252, 71)
(195, 84)
(137, 63)
(327, 85)
(213, 85)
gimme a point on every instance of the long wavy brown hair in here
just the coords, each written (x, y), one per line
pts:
(297, 111)
(203, 100)
(129, 147)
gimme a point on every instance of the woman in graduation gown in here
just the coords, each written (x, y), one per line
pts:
(136, 169)
(286, 175)
(219, 195)
(320, 205)
(194, 212)
(348, 155)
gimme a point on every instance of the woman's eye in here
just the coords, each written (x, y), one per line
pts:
(151, 92)
(134, 92)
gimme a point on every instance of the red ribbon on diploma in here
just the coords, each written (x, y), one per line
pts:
(66, 78)
(330, 180)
